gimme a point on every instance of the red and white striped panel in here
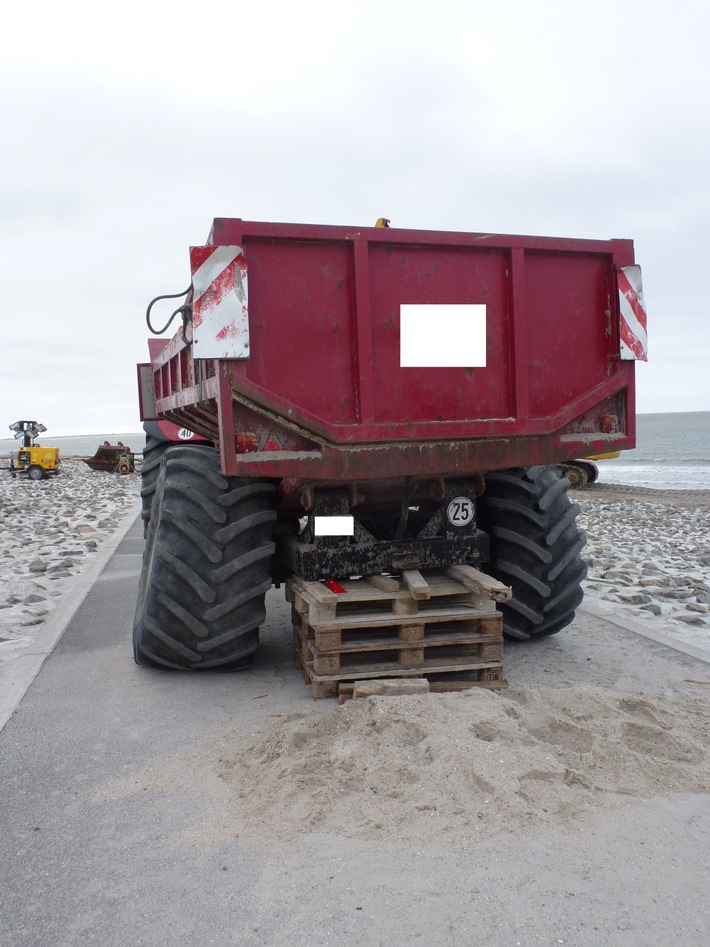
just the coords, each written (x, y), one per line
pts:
(632, 315)
(220, 313)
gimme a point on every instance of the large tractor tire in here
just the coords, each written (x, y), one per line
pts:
(535, 548)
(206, 565)
(152, 456)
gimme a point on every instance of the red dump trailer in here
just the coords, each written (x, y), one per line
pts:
(370, 400)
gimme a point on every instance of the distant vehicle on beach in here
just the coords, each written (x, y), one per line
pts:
(585, 471)
(32, 460)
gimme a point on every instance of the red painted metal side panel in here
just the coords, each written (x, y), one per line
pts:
(570, 345)
(324, 319)
(403, 274)
(301, 326)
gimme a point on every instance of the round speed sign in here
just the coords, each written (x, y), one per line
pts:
(460, 511)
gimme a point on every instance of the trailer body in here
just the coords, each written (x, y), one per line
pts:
(320, 384)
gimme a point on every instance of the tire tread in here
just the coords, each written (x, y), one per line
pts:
(535, 548)
(206, 567)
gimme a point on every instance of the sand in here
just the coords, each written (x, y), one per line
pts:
(410, 771)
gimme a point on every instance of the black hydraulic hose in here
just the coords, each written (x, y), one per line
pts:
(185, 311)
(404, 511)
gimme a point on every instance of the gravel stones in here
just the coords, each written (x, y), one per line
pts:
(50, 530)
(647, 550)
(647, 553)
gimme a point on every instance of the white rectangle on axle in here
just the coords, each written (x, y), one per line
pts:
(434, 335)
(334, 526)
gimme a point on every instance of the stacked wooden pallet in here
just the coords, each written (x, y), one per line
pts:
(442, 625)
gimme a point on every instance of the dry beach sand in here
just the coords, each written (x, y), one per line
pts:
(437, 769)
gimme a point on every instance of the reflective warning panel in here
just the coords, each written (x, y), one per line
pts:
(220, 307)
(633, 334)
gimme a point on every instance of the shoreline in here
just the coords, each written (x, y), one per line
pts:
(622, 491)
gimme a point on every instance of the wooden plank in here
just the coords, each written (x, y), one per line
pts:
(492, 625)
(343, 687)
(319, 690)
(326, 664)
(480, 582)
(390, 643)
(405, 606)
(390, 688)
(392, 669)
(416, 583)
(320, 593)
(378, 619)
(447, 687)
(383, 582)
(362, 591)
(345, 690)
(491, 652)
(320, 613)
(412, 632)
(411, 658)
(327, 640)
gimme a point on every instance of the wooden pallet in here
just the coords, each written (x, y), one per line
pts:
(441, 679)
(413, 594)
(429, 625)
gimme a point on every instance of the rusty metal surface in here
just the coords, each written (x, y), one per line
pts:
(112, 458)
(398, 533)
(314, 562)
(323, 391)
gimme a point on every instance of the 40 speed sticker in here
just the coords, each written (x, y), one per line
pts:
(184, 434)
(460, 511)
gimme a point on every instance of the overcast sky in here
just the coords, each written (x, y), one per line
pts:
(125, 128)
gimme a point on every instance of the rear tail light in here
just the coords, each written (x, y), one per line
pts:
(246, 443)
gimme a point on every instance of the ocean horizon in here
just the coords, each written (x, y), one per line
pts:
(672, 452)
(80, 445)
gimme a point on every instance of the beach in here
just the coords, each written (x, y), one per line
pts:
(648, 554)
(50, 530)
(571, 806)
(648, 551)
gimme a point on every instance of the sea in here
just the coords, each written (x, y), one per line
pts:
(672, 452)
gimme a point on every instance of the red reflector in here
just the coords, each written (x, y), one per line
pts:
(246, 443)
(333, 586)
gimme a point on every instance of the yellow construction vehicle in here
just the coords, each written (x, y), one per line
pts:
(32, 460)
(581, 472)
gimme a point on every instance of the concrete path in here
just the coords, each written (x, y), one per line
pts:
(83, 860)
